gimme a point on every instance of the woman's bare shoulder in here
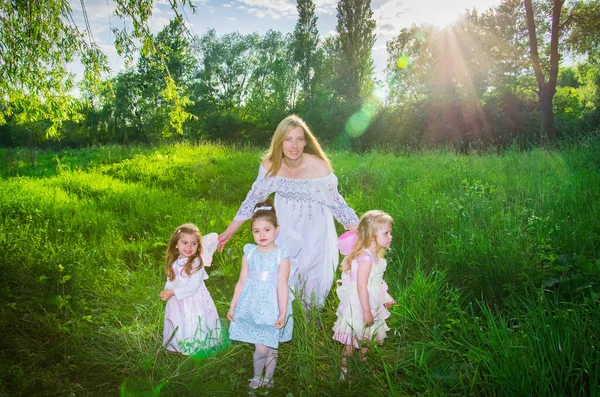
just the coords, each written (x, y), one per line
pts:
(318, 166)
(266, 164)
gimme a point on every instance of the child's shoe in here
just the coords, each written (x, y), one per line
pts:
(255, 384)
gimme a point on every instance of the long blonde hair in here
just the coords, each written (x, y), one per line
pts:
(275, 152)
(172, 252)
(368, 226)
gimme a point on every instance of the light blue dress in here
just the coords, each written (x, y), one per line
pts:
(258, 309)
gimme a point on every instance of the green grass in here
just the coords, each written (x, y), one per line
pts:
(494, 265)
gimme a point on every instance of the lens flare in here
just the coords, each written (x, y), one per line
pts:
(403, 61)
(357, 124)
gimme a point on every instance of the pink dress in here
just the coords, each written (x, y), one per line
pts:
(191, 320)
(349, 327)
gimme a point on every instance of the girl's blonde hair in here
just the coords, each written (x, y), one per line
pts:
(264, 210)
(275, 152)
(172, 252)
(368, 226)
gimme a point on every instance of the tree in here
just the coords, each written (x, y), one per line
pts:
(546, 87)
(38, 39)
(306, 38)
(581, 29)
(356, 37)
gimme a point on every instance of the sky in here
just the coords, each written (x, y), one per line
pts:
(249, 16)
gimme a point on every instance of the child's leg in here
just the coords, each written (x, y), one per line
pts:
(363, 353)
(260, 359)
(270, 366)
(347, 351)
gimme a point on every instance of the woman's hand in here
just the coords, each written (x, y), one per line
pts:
(389, 304)
(223, 239)
(226, 235)
(352, 227)
(166, 294)
(280, 321)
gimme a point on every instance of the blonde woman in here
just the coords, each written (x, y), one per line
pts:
(297, 170)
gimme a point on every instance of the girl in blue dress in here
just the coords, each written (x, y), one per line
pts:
(261, 307)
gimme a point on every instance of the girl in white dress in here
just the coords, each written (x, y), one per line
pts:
(191, 320)
(363, 293)
(297, 170)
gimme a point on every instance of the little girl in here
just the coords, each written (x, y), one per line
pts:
(261, 308)
(363, 293)
(191, 320)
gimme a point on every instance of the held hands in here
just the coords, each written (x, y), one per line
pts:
(223, 239)
(280, 321)
(166, 294)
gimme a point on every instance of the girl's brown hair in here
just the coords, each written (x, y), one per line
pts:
(172, 252)
(264, 210)
(275, 152)
(368, 225)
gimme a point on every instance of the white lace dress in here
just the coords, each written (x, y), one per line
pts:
(305, 211)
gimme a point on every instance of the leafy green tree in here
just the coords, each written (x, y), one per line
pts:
(356, 37)
(306, 39)
(273, 84)
(574, 26)
(222, 86)
(38, 39)
(164, 77)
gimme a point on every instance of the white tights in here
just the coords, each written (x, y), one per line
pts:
(265, 359)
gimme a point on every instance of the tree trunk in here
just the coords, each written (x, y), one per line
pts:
(546, 96)
(546, 90)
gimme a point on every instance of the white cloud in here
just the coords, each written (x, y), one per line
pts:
(325, 7)
(393, 15)
(272, 8)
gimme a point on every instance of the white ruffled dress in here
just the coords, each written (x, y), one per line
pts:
(349, 327)
(191, 319)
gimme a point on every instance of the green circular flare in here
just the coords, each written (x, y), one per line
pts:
(357, 124)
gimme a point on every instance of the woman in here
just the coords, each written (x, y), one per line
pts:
(306, 201)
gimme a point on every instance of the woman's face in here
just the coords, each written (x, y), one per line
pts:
(294, 143)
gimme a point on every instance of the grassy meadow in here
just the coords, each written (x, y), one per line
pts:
(495, 267)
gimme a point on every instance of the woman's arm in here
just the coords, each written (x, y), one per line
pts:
(282, 292)
(338, 206)
(238, 288)
(362, 277)
(261, 189)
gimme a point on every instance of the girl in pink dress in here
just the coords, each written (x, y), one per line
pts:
(191, 320)
(363, 293)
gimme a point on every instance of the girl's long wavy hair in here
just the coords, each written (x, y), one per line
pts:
(368, 226)
(172, 253)
(275, 152)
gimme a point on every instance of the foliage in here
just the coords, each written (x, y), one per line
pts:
(39, 39)
(469, 85)
(494, 267)
(356, 37)
(306, 39)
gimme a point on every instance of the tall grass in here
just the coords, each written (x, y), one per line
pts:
(494, 267)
